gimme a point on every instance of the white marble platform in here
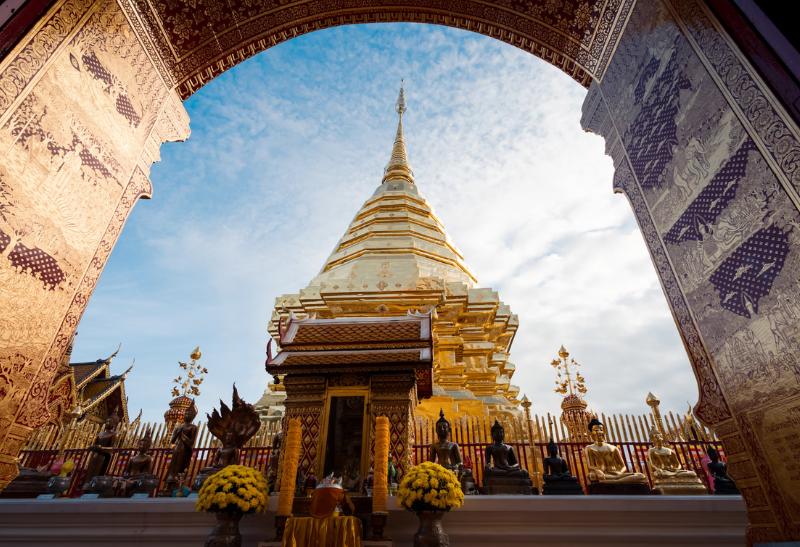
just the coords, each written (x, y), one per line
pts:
(482, 521)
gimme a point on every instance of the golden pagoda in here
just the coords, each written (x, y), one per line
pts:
(396, 258)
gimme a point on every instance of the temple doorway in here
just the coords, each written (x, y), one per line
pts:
(345, 437)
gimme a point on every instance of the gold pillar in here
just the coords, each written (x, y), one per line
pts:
(289, 471)
(380, 484)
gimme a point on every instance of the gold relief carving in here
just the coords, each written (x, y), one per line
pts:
(753, 496)
(72, 170)
(35, 412)
(712, 407)
(348, 380)
(20, 66)
(775, 427)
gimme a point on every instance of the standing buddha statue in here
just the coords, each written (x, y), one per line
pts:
(183, 438)
(608, 473)
(669, 476)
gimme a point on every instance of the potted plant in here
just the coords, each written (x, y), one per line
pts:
(430, 490)
(232, 492)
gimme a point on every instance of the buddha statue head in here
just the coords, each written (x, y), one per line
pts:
(112, 421)
(498, 433)
(190, 414)
(443, 428)
(552, 449)
(145, 442)
(657, 438)
(597, 431)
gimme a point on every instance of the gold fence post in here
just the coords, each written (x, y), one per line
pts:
(537, 477)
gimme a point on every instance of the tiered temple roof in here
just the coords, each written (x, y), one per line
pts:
(98, 392)
(396, 258)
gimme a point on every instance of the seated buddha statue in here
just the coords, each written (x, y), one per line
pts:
(669, 476)
(608, 473)
(138, 472)
(723, 484)
(557, 478)
(502, 474)
(447, 453)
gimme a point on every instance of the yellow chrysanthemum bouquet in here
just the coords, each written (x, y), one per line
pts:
(430, 487)
(234, 489)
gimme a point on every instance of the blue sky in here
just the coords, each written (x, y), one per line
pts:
(287, 146)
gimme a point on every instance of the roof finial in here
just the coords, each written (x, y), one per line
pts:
(401, 100)
(398, 167)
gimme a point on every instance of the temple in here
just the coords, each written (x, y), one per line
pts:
(95, 393)
(396, 258)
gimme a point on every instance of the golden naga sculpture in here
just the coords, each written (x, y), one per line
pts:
(669, 476)
(608, 473)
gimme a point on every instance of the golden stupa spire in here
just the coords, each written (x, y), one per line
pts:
(398, 167)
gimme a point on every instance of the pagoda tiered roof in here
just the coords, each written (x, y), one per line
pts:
(357, 344)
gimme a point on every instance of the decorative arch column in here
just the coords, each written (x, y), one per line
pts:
(83, 113)
(709, 162)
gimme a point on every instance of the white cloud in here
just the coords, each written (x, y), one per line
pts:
(285, 149)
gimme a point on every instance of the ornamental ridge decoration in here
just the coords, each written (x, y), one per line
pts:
(200, 41)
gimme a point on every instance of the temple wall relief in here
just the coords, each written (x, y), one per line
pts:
(710, 163)
(82, 115)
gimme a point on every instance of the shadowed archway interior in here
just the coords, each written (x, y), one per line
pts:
(702, 149)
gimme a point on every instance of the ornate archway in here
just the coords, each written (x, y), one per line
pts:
(702, 149)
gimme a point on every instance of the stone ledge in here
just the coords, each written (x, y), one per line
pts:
(484, 520)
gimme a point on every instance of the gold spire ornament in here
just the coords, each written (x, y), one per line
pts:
(565, 383)
(572, 385)
(398, 167)
(195, 374)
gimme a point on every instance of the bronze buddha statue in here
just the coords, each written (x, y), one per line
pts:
(608, 473)
(96, 481)
(723, 484)
(557, 478)
(183, 438)
(228, 453)
(138, 472)
(273, 464)
(447, 454)
(669, 476)
(503, 474)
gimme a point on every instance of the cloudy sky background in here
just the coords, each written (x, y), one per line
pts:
(287, 146)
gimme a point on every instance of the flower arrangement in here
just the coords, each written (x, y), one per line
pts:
(430, 487)
(234, 489)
